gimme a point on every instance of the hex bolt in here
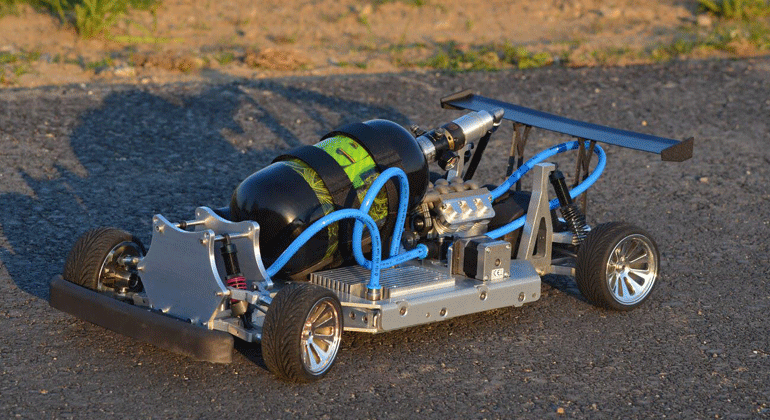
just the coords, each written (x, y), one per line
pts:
(352, 315)
(483, 296)
(442, 312)
(402, 311)
(521, 297)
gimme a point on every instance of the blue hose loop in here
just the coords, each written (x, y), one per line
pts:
(360, 216)
(420, 251)
(579, 189)
(366, 204)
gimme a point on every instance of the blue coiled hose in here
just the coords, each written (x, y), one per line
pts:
(325, 222)
(376, 264)
(545, 154)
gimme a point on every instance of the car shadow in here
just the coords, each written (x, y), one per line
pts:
(157, 150)
(564, 284)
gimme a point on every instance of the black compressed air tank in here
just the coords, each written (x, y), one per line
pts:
(302, 186)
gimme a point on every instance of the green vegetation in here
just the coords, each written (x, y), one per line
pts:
(13, 66)
(611, 55)
(8, 7)
(358, 64)
(736, 9)
(674, 50)
(89, 17)
(451, 56)
(224, 58)
(742, 28)
(21, 57)
(741, 21)
(416, 3)
(732, 28)
(99, 65)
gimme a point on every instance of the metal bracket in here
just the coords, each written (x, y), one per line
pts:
(537, 236)
(183, 272)
(246, 235)
(476, 158)
(457, 171)
(180, 275)
(516, 156)
(581, 168)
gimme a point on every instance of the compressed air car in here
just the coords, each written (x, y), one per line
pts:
(362, 232)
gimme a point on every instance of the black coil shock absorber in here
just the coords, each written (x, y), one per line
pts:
(576, 220)
(234, 277)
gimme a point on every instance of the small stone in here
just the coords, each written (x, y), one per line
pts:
(611, 12)
(124, 71)
(644, 123)
(704, 179)
(704, 20)
(560, 410)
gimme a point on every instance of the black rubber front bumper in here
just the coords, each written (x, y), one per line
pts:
(142, 324)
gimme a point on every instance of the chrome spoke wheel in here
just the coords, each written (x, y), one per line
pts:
(320, 338)
(617, 266)
(302, 332)
(631, 269)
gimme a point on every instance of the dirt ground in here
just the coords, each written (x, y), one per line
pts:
(189, 40)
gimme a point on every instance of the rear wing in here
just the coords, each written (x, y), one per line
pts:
(668, 149)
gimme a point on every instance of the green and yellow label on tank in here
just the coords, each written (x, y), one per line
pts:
(360, 168)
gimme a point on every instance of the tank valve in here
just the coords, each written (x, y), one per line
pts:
(453, 136)
(448, 160)
(576, 220)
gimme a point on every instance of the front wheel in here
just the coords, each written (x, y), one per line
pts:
(617, 266)
(101, 260)
(302, 332)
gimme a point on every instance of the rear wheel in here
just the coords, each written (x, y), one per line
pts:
(302, 332)
(101, 260)
(617, 266)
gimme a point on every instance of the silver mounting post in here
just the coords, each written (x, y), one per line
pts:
(537, 236)
(374, 294)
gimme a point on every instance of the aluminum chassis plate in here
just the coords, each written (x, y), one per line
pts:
(465, 296)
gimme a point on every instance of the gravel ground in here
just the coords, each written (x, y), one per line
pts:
(78, 157)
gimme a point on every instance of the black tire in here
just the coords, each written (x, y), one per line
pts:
(285, 347)
(617, 266)
(89, 256)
